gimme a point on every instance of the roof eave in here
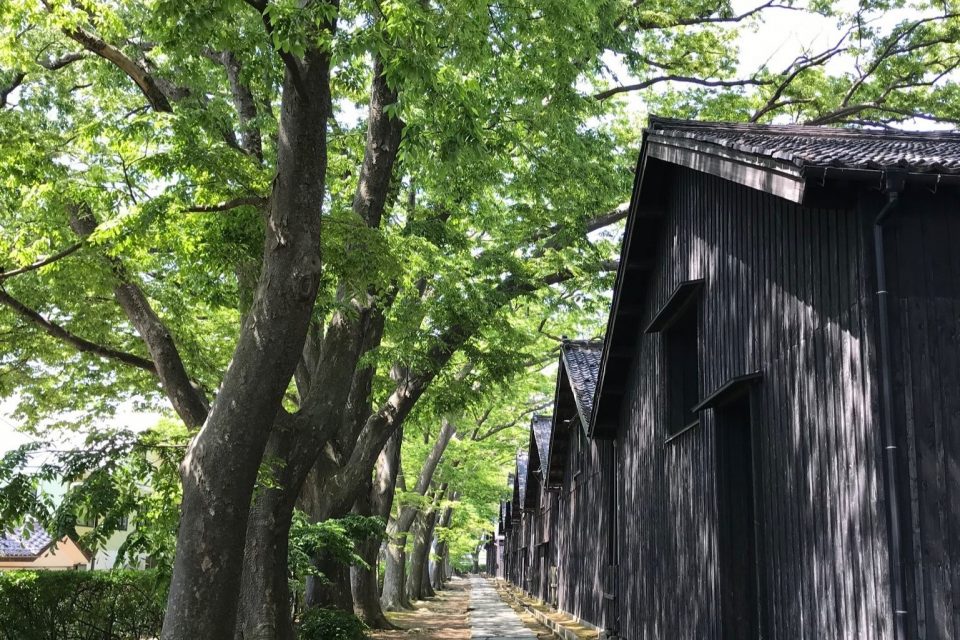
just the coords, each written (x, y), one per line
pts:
(618, 281)
(776, 177)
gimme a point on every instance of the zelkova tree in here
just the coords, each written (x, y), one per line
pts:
(481, 439)
(291, 220)
(174, 133)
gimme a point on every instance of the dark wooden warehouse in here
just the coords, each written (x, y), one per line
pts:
(773, 447)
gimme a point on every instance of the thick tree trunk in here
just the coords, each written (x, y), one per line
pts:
(265, 609)
(348, 337)
(420, 554)
(363, 581)
(265, 599)
(334, 391)
(427, 586)
(438, 571)
(220, 468)
(394, 595)
(363, 586)
(438, 574)
(331, 590)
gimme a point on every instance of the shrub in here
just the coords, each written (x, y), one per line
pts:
(81, 605)
(330, 624)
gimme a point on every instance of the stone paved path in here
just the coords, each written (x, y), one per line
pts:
(490, 617)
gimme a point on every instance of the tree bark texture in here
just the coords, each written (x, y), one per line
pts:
(420, 553)
(266, 614)
(438, 571)
(334, 391)
(363, 581)
(221, 465)
(264, 608)
(394, 596)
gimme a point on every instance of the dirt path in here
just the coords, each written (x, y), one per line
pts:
(444, 617)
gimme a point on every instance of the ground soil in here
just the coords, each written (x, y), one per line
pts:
(444, 617)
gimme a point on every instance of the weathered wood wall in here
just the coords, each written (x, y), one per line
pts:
(582, 519)
(923, 264)
(789, 291)
(783, 293)
(566, 532)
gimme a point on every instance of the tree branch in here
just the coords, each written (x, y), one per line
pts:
(227, 205)
(185, 396)
(798, 66)
(603, 95)
(593, 224)
(40, 263)
(293, 67)
(891, 50)
(843, 115)
(564, 274)
(54, 64)
(78, 343)
(503, 427)
(243, 102)
(607, 219)
(683, 22)
(380, 151)
(148, 86)
(10, 87)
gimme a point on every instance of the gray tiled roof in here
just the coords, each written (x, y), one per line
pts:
(809, 146)
(541, 425)
(581, 359)
(24, 542)
(523, 459)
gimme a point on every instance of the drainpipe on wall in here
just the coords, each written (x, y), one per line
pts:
(894, 184)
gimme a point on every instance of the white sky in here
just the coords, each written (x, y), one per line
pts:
(782, 36)
(11, 437)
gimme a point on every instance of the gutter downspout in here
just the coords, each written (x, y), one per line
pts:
(895, 181)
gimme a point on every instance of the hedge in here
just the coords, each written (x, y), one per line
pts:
(330, 624)
(81, 605)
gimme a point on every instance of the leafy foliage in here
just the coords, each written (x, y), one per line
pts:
(113, 477)
(79, 605)
(336, 537)
(330, 624)
(517, 143)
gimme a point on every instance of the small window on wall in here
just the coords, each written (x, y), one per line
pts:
(677, 324)
(683, 370)
(92, 521)
(85, 520)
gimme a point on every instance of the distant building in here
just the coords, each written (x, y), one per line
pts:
(104, 556)
(31, 547)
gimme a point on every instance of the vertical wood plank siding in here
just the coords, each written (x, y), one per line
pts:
(566, 531)
(923, 264)
(790, 291)
(582, 521)
(784, 293)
